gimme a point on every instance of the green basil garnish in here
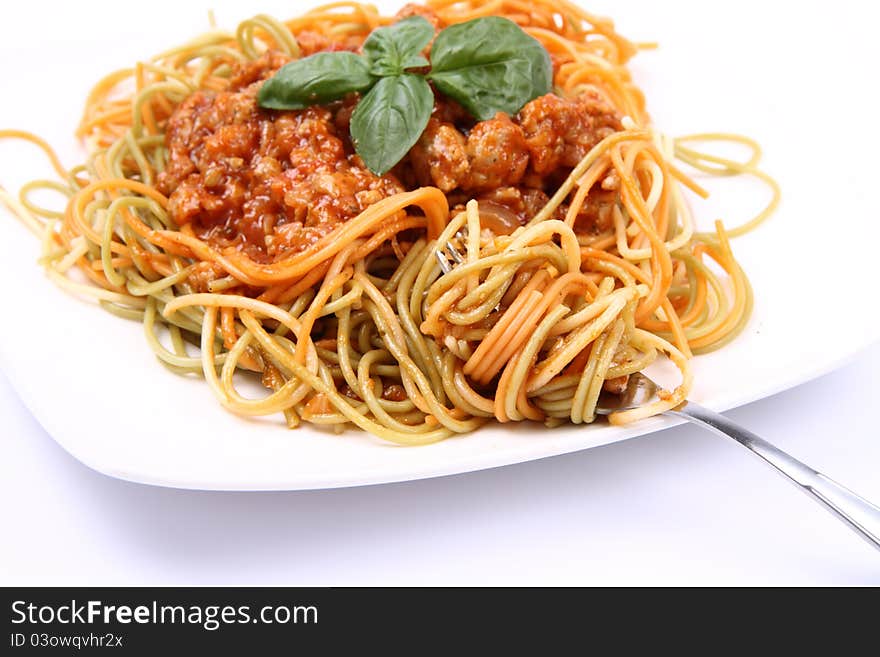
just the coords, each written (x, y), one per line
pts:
(390, 119)
(487, 64)
(393, 49)
(490, 65)
(316, 79)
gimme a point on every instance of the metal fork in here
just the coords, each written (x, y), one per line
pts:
(855, 511)
(447, 253)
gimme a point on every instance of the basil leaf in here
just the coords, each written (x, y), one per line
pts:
(393, 49)
(316, 79)
(490, 65)
(415, 61)
(389, 120)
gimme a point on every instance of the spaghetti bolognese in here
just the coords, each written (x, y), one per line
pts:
(297, 231)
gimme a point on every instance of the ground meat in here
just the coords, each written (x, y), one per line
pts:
(440, 157)
(525, 202)
(203, 274)
(271, 183)
(559, 132)
(595, 216)
(497, 154)
(342, 111)
(493, 154)
(260, 69)
(529, 153)
(268, 183)
(449, 111)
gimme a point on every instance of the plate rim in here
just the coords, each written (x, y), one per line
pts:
(487, 461)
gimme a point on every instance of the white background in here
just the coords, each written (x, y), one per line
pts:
(677, 507)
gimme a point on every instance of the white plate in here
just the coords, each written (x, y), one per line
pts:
(90, 380)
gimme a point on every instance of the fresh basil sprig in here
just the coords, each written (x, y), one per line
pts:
(490, 65)
(487, 64)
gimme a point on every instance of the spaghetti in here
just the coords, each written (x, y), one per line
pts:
(361, 326)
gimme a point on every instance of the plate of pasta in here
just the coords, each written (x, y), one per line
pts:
(366, 244)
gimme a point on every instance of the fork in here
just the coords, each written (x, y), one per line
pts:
(855, 511)
(858, 513)
(447, 253)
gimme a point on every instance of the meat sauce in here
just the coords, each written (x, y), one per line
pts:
(268, 183)
(271, 183)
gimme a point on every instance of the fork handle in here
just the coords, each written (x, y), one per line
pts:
(855, 511)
